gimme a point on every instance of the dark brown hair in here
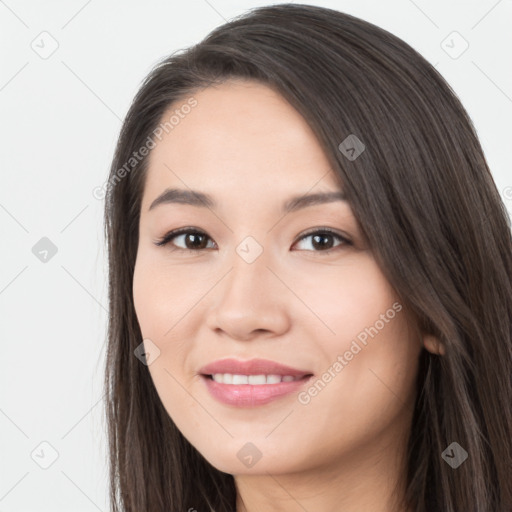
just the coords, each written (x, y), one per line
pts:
(425, 199)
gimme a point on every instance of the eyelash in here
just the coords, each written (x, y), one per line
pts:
(183, 231)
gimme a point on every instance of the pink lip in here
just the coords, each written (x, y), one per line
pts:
(252, 367)
(249, 394)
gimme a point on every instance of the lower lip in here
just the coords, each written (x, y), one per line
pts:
(243, 395)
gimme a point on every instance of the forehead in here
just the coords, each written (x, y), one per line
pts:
(243, 136)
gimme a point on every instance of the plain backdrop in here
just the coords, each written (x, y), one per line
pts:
(69, 71)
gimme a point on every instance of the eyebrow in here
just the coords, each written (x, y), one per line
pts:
(200, 199)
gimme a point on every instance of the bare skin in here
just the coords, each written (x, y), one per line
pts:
(341, 448)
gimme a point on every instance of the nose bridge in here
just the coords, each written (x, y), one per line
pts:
(249, 274)
(249, 299)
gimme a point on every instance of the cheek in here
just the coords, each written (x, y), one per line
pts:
(164, 300)
(369, 356)
(157, 295)
(158, 300)
(347, 299)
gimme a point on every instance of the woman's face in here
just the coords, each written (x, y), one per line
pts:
(257, 280)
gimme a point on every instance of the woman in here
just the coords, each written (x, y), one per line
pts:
(310, 293)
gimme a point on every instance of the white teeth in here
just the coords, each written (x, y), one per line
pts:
(229, 378)
(240, 379)
(257, 379)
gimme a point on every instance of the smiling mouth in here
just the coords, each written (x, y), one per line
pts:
(254, 380)
(239, 390)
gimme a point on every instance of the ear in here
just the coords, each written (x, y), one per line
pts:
(433, 345)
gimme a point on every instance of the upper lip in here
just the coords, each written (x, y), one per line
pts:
(251, 367)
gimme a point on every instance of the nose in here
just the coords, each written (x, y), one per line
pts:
(250, 301)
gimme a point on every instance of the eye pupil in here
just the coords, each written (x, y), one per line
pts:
(195, 237)
(322, 245)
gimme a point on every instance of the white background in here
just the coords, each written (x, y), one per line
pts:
(59, 121)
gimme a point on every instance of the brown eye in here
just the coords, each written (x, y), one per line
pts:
(322, 240)
(192, 239)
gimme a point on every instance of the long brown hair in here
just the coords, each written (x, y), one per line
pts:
(425, 199)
